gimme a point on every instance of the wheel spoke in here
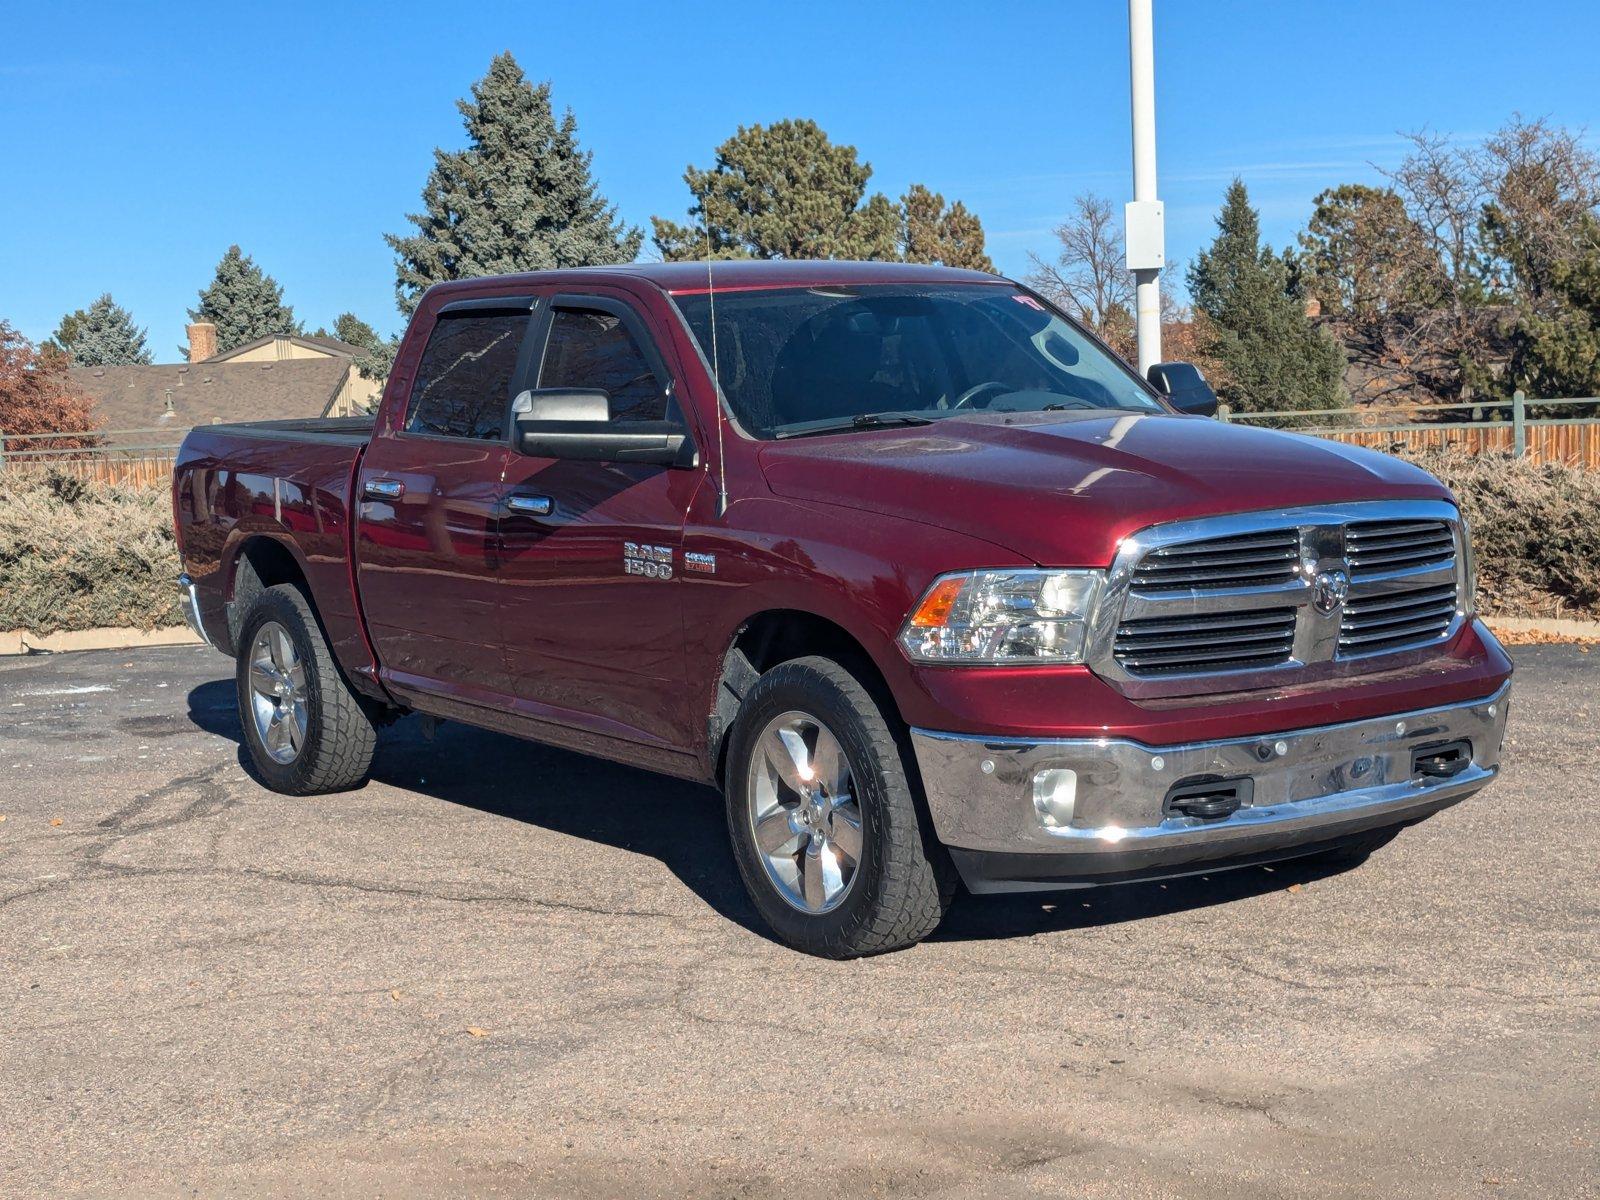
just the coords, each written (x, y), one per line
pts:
(294, 723)
(276, 735)
(282, 653)
(296, 675)
(781, 761)
(844, 832)
(263, 678)
(812, 888)
(799, 754)
(828, 761)
(832, 872)
(775, 836)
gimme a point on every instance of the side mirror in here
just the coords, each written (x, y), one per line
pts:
(1184, 387)
(576, 424)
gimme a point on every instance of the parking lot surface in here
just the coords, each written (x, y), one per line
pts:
(501, 969)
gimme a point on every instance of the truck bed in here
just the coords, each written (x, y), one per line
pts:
(350, 431)
(284, 482)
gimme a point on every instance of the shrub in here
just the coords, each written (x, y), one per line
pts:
(76, 555)
(1535, 529)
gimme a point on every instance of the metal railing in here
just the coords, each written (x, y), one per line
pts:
(161, 441)
(1480, 415)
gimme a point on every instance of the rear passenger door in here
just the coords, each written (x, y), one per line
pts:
(429, 495)
(590, 552)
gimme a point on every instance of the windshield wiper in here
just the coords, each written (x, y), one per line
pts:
(883, 420)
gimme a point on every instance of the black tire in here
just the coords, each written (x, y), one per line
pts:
(903, 881)
(1357, 850)
(336, 750)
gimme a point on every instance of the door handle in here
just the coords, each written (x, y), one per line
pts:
(383, 489)
(538, 506)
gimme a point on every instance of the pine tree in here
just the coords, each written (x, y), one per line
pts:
(350, 329)
(518, 198)
(1273, 356)
(782, 191)
(243, 302)
(378, 354)
(1555, 347)
(66, 333)
(933, 233)
(103, 335)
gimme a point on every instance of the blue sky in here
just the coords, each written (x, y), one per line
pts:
(143, 139)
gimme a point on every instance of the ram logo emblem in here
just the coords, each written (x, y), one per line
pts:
(1328, 591)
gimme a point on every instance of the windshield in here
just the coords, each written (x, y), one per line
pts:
(802, 360)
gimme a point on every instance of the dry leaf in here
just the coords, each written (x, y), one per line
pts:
(55, 820)
(2, 816)
(476, 1032)
(395, 995)
(1294, 887)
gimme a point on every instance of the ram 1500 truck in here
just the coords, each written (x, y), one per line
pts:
(928, 582)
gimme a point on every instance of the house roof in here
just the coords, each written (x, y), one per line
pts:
(327, 345)
(136, 398)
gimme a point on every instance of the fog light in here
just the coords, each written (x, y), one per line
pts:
(1055, 793)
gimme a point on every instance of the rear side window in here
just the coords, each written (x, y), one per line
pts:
(463, 386)
(593, 349)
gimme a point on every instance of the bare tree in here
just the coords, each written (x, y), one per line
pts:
(1088, 277)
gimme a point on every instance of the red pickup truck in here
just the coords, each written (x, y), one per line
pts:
(920, 575)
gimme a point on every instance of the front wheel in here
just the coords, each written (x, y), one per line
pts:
(822, 818)
(305, 728)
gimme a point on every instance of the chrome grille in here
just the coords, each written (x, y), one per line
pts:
(1374, 547)
(1383, 621)
(1250, 560)
(1234, 641)
(1271, 598)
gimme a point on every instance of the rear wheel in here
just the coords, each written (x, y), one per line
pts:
(306, 730)
(822, 818)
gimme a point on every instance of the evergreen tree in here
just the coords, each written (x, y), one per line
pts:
(103, 335)
(1273, 356)
(933, 233)
(518, 198)
(378, 356)
(66, 333)
(350, 329)
(1555, 347)
(782, 191)
(243, 302)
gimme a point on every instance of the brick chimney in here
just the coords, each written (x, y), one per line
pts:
(202, 341)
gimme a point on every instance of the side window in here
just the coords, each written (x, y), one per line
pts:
(463, 385)
(593, 349)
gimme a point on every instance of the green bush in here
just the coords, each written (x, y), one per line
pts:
(76, 555)
(1535, 529)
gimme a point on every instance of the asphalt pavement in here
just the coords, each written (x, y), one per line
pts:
(506, 970)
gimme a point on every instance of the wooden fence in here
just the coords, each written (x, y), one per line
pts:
(132, 457)
(1539, 430)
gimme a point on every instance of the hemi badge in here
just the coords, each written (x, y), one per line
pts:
(700, 564)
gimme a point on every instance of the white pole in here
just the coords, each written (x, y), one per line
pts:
(1145, 233)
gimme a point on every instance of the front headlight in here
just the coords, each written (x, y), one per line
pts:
(1011, 618)
(1469, 570)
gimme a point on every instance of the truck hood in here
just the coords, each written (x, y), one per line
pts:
(1062, 489)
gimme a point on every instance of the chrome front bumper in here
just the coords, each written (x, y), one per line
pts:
(1310, 787)
(190, 603)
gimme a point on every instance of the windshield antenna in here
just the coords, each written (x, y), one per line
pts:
(716, 382)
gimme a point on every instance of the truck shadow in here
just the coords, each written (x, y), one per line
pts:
(681, 824)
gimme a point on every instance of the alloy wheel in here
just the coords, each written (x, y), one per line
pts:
(804, 814)
(278, 692)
